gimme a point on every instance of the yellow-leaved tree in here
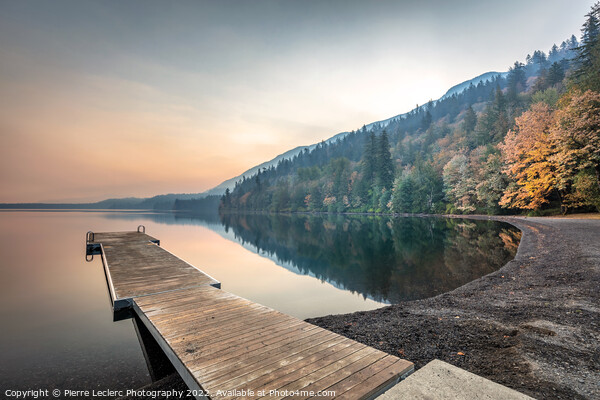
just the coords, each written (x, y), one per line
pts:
(528, 152)
(576, 135)
(555, 152)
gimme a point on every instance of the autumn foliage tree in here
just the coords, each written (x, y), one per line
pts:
(528, 152)
(577, 135)
(554, 152)
(577, 138)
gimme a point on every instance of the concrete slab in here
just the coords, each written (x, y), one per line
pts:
(439, 380)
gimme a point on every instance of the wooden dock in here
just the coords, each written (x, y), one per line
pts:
(227, 347)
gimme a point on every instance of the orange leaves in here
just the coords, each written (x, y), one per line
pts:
(527, 153)
(577, 133)
(329, 200)
(307, 200)
(547, 150)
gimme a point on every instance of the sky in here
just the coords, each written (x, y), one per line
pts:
(104, 99)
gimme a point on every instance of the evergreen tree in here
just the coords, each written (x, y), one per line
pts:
(517, 80)
(226, 200)
(484, 127)
(470, 120)
(315, 201)
(384, 163)
(541, 83)
(573, 44)
(258, 182)
(553, 54)
(587, 73)
(428, 187)
(556, 74)
(539, 59)
(402, 200)
(500, 126)
(426, 120)
(427, 117)
(368, 160)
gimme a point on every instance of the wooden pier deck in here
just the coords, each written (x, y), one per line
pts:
(227, 347)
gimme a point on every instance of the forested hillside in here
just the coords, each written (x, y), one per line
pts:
(529, 141)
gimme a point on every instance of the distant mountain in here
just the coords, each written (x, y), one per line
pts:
(461, 87)
(160, 202)
(457, 89)
(230, 183)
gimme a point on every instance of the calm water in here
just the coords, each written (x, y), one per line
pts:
(57, 328)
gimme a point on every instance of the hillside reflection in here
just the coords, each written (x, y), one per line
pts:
(385, 259)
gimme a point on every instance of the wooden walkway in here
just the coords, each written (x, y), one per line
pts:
(227, 347)
(136, 266)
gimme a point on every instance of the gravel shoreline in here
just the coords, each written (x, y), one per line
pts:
(533, 325)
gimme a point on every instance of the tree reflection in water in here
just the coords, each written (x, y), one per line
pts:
(383, 258)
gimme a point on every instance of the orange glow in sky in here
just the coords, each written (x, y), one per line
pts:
(119, 99)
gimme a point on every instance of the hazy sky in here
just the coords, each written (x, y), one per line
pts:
(136, 98)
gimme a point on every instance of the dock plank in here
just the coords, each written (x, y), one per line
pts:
(225, 344)
(307, 365)
(324, 377)
(137, 266)
(251, 368)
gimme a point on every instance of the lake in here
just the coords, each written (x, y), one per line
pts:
(57, 325)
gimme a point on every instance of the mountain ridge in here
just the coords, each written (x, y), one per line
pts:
(456, 89)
